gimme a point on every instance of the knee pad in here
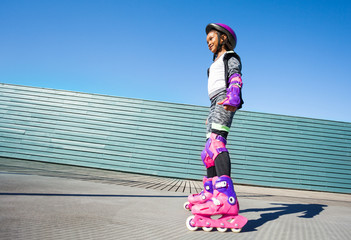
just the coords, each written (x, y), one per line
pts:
(214, 146)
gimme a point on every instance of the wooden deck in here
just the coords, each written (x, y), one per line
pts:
(100, 175)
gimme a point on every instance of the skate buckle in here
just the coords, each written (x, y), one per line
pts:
(222, 184)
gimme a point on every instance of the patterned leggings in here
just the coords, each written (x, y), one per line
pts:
(219, 120)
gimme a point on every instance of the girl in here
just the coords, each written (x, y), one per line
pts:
(224, 90)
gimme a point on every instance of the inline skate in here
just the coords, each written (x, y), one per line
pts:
(201, 197)
(221, 212)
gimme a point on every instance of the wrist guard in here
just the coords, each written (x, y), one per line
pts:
(233, 91)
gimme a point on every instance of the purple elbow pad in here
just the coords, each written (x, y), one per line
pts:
(233, 91)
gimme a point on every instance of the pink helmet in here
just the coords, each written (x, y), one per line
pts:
(220, 27)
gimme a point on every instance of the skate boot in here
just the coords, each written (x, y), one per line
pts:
(201, 197)
(221, 212)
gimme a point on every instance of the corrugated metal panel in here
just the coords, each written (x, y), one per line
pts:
(166, 139)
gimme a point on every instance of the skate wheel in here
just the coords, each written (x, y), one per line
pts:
(236, 230)
(189, 224)
(222, 229)
(207, 229)
(186, 206)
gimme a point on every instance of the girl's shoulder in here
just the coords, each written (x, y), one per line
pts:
(232, 64)
(231, 54)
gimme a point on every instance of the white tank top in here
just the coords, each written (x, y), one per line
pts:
(216, 78)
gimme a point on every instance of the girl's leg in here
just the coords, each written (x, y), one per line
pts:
(223, 164)
(219, 122)
(211, 172)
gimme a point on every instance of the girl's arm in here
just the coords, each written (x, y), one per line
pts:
(233, 100)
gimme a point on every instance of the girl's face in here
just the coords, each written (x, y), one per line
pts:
(212, 41)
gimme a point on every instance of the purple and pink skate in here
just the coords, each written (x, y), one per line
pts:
(201, 197)
(221, 211)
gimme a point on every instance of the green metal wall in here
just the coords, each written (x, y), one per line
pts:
(166, 139)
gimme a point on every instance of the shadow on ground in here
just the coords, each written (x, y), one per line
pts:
(273, 213)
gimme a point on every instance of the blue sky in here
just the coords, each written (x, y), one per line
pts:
(295, 54)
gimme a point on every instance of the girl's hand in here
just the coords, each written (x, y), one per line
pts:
(227, 107)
